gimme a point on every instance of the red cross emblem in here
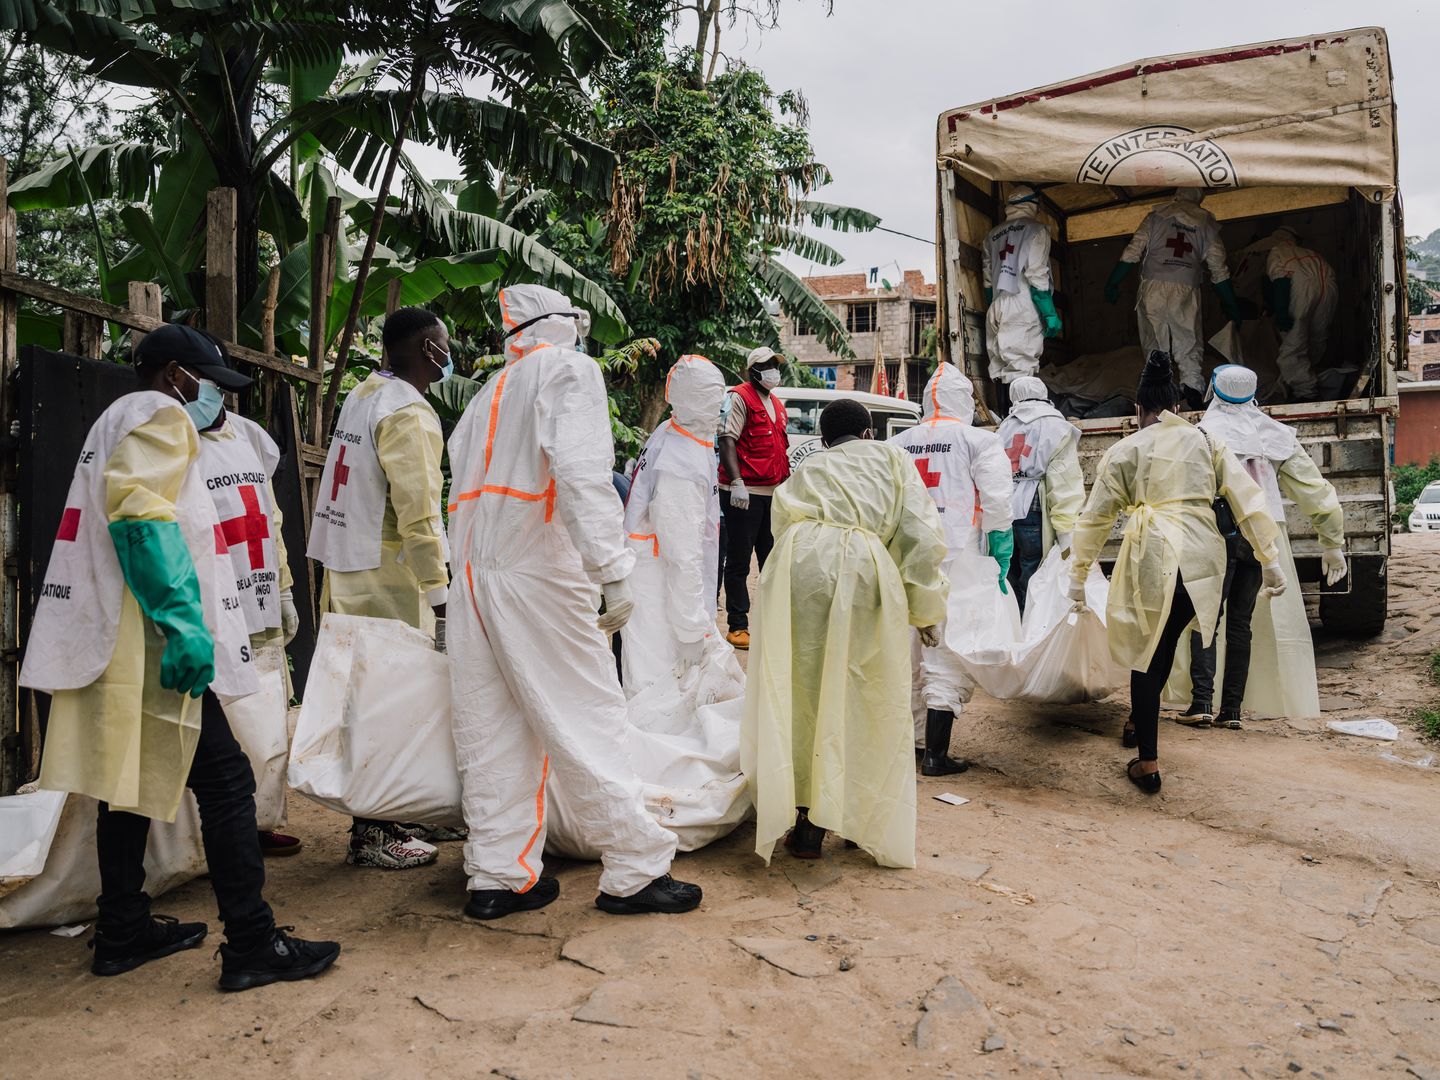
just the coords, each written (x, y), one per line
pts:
(930, 479)
(342, 475)
(69, 524)
(1007, 249)
(1180, 244)
(250, 529)
(1017, 450)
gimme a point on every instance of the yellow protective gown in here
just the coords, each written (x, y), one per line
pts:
(412, 576)
(1064, 490)
(124, 739)
(1164, 478)
(857, 561)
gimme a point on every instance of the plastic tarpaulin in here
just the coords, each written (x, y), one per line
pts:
(1309, 111)
(1062, 656)
(49, 875)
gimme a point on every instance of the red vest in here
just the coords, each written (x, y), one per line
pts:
(763, 446)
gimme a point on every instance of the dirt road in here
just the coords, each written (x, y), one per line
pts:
(1274, 913)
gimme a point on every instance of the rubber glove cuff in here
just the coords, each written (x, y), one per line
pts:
(739, 496)
(618, 606)
(1272, 578)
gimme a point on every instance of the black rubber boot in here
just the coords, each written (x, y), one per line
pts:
(937, 760)
(161, 936)
(280, 959)
(663, 896)
(497, 903)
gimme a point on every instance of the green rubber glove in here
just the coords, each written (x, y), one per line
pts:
(157, 567)
(1112, 286)
(1228, 303)
(989, 296)
(1000, 546)
(1045, 304)
(1280, 304)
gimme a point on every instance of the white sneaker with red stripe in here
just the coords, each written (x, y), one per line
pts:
(388, 847)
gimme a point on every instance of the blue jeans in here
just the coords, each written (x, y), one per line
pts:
(1029, 550)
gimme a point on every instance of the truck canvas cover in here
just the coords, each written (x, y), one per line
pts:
(1304, 111)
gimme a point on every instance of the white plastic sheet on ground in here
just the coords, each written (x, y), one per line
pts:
(1061, 657)
(259, 722)
(49, 875)
(374, 740)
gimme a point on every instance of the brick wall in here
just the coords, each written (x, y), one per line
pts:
(892, 337)
(1424, 344)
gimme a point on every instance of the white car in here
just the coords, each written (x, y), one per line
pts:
(1426, 515)
(803, 406)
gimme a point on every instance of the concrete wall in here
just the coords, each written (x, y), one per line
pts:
(1424, 353)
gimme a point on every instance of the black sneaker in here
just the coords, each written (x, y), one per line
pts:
(280, 959)
(663, 896)
(1229, 719)
(497, 903)
(164, 935)
(1197, 716)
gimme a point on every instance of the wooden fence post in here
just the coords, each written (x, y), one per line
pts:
(82, 334)
(322, 280)
(144, 300)
(220, 311)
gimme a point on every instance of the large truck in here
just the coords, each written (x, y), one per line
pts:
(1298, 132)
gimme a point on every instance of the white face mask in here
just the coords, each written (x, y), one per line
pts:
(770, 378)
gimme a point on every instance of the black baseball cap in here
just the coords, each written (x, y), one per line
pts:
(191, 349)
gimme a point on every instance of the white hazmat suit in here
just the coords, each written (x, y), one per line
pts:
(537, 530)
(1304, 324)
(967, 475)
(1017, 259)
(1175, 243)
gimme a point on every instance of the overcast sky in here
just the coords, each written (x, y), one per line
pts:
(878, 73)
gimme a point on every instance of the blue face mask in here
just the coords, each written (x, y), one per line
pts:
(446, 369)
(205, 409)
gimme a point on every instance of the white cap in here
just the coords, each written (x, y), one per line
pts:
(1190, 194)
(1021, 193)
(760, 356)
(1028, 388)
(1234, 384)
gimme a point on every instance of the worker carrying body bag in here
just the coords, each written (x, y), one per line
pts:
(1062, 656)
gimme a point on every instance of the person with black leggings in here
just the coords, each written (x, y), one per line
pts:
(1167, 479)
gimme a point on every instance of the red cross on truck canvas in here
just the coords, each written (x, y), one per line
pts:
(251, 529)
(1180, 244)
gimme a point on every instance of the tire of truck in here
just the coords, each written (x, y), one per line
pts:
(1359, 613)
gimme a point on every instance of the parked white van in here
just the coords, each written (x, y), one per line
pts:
(803, 406)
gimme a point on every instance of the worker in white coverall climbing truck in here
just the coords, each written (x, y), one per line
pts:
(1048, 489)
(1021, 305)
(1272, 455)
(377, 528)
(1174, 245)
(825, 742)
(967, 475)
(1171, 567)
(672, 523)
(237, 460)
(138, 617)
(1302, 295)
(539, 540)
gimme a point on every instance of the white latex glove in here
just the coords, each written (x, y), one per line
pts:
(1063, 542)
(739, 497)
(290, 616)
(440, 633)
(688, 654)
(618, 606)
(1272, 579)
(1332, 565)
(930, 636)
(1075, 591)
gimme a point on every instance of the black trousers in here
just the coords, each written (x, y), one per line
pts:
(747, 532)
(224, 788)
(1029, 550)
(1242, 586)
(1147, 686)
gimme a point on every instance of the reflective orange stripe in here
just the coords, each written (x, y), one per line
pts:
(505, 311)
(654, 539)
(539, 824)
(470, 581)
(547, 497)
(936, 418)
(494, 416)
(693, 438)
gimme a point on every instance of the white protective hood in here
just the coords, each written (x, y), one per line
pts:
(695, 389)
(949, 395)
(1315, 110)
(1241, 425)
(1030, 400)
(519, 304)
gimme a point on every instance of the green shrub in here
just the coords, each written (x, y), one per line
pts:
(1429, 721)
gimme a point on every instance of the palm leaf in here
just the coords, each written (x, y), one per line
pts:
(148, 235)
(839, 218)
(799, 302)
(807, 247)
(420, 283)
(450, 396)
(111, 170)
(292, 304)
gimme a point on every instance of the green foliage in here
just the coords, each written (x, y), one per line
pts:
(1435, 667)
(1409, 481)
(1429, 722)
